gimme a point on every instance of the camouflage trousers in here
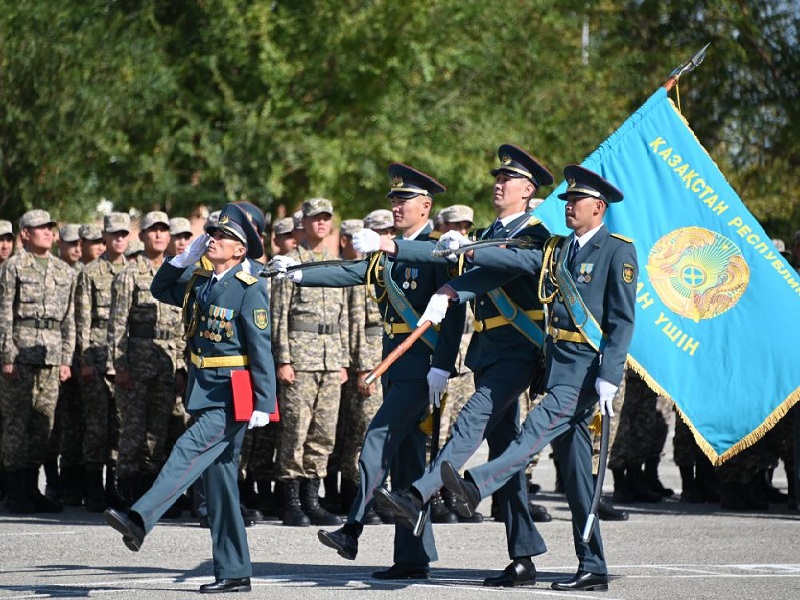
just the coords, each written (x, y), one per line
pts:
(260, 461)
(459, 390)
(685, 450)
(101, 423)
(68, 427)
(309, 412)
(146, 413)
(29, 405)
(355, 415)
(643, 424)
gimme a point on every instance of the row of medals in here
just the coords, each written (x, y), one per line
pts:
(218, 323)
(410, 278)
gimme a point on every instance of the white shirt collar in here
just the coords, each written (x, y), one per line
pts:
(584, 239)
(506, 220)
(414, 235)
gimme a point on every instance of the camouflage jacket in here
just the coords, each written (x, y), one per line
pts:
(92, 309)
(143, 333)
(37, 315)
(309, 325)
(366, 329)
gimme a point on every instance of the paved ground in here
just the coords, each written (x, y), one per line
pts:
(671, 550)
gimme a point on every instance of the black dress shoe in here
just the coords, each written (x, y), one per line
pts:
(465, 493)
(583, 580)
(226, 585)
(521, 570)
(344, 540)
(132, 534)
(372, 518)
(404, 571)
(404, 505)
(606, 512)
(539, 513)
(475, 518)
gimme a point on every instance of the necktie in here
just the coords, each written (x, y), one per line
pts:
(207, 290)
(494, 229)
(573, 249)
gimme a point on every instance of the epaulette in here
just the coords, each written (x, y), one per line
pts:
(205, 263)
(533, 221)
(622, 237)
(202, 273)
(246, 277)
(435, 235)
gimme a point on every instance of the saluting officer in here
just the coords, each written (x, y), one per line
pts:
(591, 272)
(393, 440)
(504, 354)
(229, 330)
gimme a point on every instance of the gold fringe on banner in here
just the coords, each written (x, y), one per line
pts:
(747, 441)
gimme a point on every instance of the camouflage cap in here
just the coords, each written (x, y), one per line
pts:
(213, 218)
(534, 203)
(135, 246)
(317, 206)
(283, 226)
(6, 228)
(297, 219)
(350, 226)
(116, 221)
(154, 218)
(91, 232)
(36, 218)
(379, 219)
(438, 218)
(458, 213)
(179, 225)
(69, 233)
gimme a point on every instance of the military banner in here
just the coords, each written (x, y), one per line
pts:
(717, 305)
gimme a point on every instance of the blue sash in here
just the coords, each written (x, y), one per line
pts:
(581, 316)
(400, 303)
(519, 319)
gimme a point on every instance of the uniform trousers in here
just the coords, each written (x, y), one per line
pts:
(394, 442)
(208, 449)
(562, 418)
(493, 413)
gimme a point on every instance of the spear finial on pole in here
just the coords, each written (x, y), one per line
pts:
(686, 67)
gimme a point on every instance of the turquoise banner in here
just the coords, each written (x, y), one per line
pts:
(717, 306)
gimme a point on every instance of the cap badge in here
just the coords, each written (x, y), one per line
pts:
(224, 219)
(505, 159)
(571, 182)
(397, 182)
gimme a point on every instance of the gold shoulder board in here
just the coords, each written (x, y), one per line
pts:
(533, 221)
(435, 235)
(622, 237)
(246, 277)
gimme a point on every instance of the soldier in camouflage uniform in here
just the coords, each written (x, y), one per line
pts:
(310, 344)
(37, 341)
(145, 350)
(68, 425)
(93, 244)
(284, 240)
(640, 439)
(101, 417)
(6, 249)
(180, 234)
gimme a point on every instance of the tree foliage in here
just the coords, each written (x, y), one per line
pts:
(173, 104)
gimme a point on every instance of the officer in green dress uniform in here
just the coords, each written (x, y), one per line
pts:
(504, 355)
(590, 273)
(228, 329)
(393, 440)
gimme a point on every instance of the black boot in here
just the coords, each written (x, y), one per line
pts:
(54, 486)
(689, 490)
(622, 491)
(440, 513)
(638, 486)
(332, 500)
(17, 501)
(114, 497)
(706, 479)
(651, 478)
(606, 510)
(309, 500)
(293, 514)
(247, 492)
(72, 484)
(732, 497)
(95, 493)
(450, 503)
(266, 499)
(41, 503)
(347, 494)
(769, 491)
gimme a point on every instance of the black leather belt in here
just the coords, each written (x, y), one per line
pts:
(38, 323)
(320, 328)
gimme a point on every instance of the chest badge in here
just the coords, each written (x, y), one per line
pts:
(585, 272)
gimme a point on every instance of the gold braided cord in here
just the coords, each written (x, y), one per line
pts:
(373, 265)
(548, 269)
(747, 441)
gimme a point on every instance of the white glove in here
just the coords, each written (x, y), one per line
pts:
(436, 309)
(454, 240)
(258, 419)
(437, 384)
(606, 390)
(281, 262)
(366, 241)
(192, 253)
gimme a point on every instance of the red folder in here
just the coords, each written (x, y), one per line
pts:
(242, 387)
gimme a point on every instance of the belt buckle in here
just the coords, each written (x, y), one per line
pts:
(201, 360)
(479, 326)
(387, 327)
